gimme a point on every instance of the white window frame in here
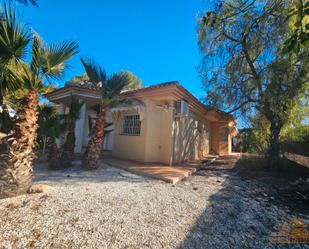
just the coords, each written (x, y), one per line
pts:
(133, 126)
(182, 108)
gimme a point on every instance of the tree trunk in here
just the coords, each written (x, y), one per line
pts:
(67, 155)
(16, 168)
(273, 159)
(92, 155)
(6, 123)
(53, 157)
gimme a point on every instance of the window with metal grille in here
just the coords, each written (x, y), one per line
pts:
(131, 125)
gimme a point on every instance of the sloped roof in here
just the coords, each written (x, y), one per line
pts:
(89, 87)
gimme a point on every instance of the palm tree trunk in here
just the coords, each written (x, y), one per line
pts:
(53, 157)
(16, 168)
(67, 155)
(93, 151)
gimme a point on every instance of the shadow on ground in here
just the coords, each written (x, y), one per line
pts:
(250, 202)
(75, 174)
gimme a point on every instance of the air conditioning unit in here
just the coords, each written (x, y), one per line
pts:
(182, 107)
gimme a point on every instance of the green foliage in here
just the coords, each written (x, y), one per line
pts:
(296, 134)
(298, 18)
(256, 138)
(135, 82)
(74, 110)
(47, 62)
(51, 124)
(95, 73)
(14, 39)
(78, 79)
(111, 86)
(244, 69)
(14, 36)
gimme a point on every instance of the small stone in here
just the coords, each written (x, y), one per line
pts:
(39, 188)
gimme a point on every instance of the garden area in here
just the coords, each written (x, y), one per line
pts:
(253, 67)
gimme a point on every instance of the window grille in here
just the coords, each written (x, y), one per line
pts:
(131, 125)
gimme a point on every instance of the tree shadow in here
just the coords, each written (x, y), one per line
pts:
(243, 213)
(76, 174)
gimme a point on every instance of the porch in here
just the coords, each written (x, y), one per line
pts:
(170, 174)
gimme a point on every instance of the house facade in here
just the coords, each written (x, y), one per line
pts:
(160, 123)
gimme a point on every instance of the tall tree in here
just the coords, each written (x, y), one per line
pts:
(110, 88)
(134, 81)
(14, 39)
(243, 69)
(47, 62)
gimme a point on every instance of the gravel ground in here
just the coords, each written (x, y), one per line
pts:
(110, 208)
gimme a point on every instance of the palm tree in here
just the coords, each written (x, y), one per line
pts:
(48, 62)
(51, 126)
(13, 43)
(67, 155)
(110, 88)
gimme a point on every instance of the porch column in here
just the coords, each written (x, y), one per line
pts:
(79, 130)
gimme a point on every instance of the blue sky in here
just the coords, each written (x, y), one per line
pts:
(156, 40)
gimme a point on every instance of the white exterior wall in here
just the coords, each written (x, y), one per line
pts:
(80, 129)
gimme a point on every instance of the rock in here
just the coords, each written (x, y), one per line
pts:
(39, 188)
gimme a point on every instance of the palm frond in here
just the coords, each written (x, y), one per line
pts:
(25, 2)
(30, 80)
(8, 80)
(95, 73)
(37, 53)
(14, 36)
(56, 55)
(50, 122)
(115, 84)
(50, 60)
(74, 109)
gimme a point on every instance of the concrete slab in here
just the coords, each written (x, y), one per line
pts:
(170, 174)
